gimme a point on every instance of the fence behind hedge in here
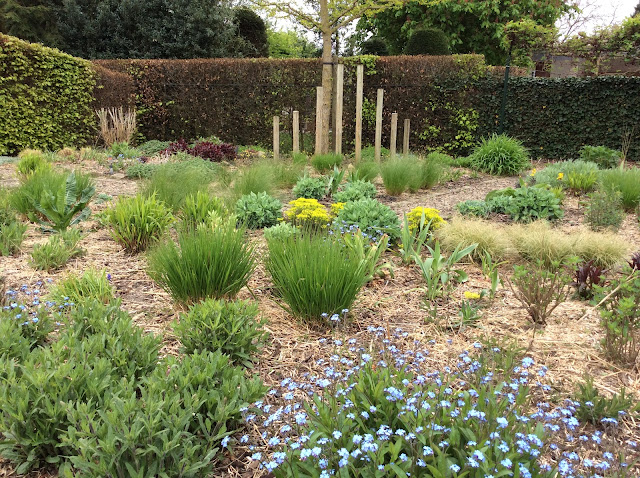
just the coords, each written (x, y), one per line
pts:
(45, 97)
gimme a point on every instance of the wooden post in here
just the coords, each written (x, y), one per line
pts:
(394, 134)
(296, 131)
(378, 145)
(276, 138)
(405, 143)
(339, 106)
(359, 93)
(319, 111)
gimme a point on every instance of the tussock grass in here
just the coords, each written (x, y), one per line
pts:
(490, 237)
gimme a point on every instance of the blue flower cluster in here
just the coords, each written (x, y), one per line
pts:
(24, 304)
(377, 410)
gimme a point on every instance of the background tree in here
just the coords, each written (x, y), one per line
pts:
(427, 41)
(252, 32)
(374, 46)
(31, 20)
(290, 44)
(328, 18)
(471, 26)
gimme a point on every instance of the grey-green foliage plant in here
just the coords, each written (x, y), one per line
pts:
(310, 188)
(280, 231)
(227, 326)
(605, 158)
(473, 207)
(315, 274)
(593, 407)
(257, 211)
(620, 317)
(371, 217)
(137, 222)
(57, 251)
(141, 170)
(529, 204)
(567, 174)
(500, 155)
(354, 190)
(541, 288)
(604, 210)
(58, 208)
(205, 263)
(437, 270)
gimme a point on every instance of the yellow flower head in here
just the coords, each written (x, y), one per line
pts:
(471, 295)
(336, 208)
(430, 214)
(533, 172)
(560, 176)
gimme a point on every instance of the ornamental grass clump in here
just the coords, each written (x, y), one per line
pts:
(205, 263)
(323, 163)
(399, 174)
(378, 408)
(500, 155)
(137, 222)
(490, 238)
(172, 185)
(92, 284)
(57, 251)
(625, 181)
(604, 210)
(315, 275)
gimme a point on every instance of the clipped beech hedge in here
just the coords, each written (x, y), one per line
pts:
(46, 97)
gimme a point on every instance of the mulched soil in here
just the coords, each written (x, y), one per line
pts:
(568, 345)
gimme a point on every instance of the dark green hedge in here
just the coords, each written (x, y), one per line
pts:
(555, 117)
(45, 97)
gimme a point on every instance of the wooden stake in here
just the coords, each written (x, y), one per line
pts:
(296, 131)
(339, 106)
(394, 134)
(378, 145)
(319, 111)
(276, 138)
(405, 142)
(359, 93)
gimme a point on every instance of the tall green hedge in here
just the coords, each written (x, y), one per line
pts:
(46, 97)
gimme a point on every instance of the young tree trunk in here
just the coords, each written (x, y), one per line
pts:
(327, 75)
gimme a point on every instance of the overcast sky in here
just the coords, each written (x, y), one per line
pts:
(606, 12)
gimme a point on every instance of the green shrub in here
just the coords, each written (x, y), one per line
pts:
(137, 222)
(500, 155)
(141, 171)
(398, 174)
(280, 231)
(14, 344)
(257, 211)
(24, 327)
(530, 204)
(371, 217)
(578, 176)
(153, 147)
(57, 251)
(314, 275)
(627, 182)
(473, 208)
(352, 191)
(374, 46)
(593, 407)
(605, 158)
(257, 178)
(310, 188)
(205, 263)
(620, 318)
(427, 41)
(172, 185)
(122, 150)
(442, 158)
(365, 171)
(47, 99)
(11, 237)
(299, 158)
(228, 327)
(91, 285)
(323, 163)
(540, 288)
(198, 208)
(604, 210)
